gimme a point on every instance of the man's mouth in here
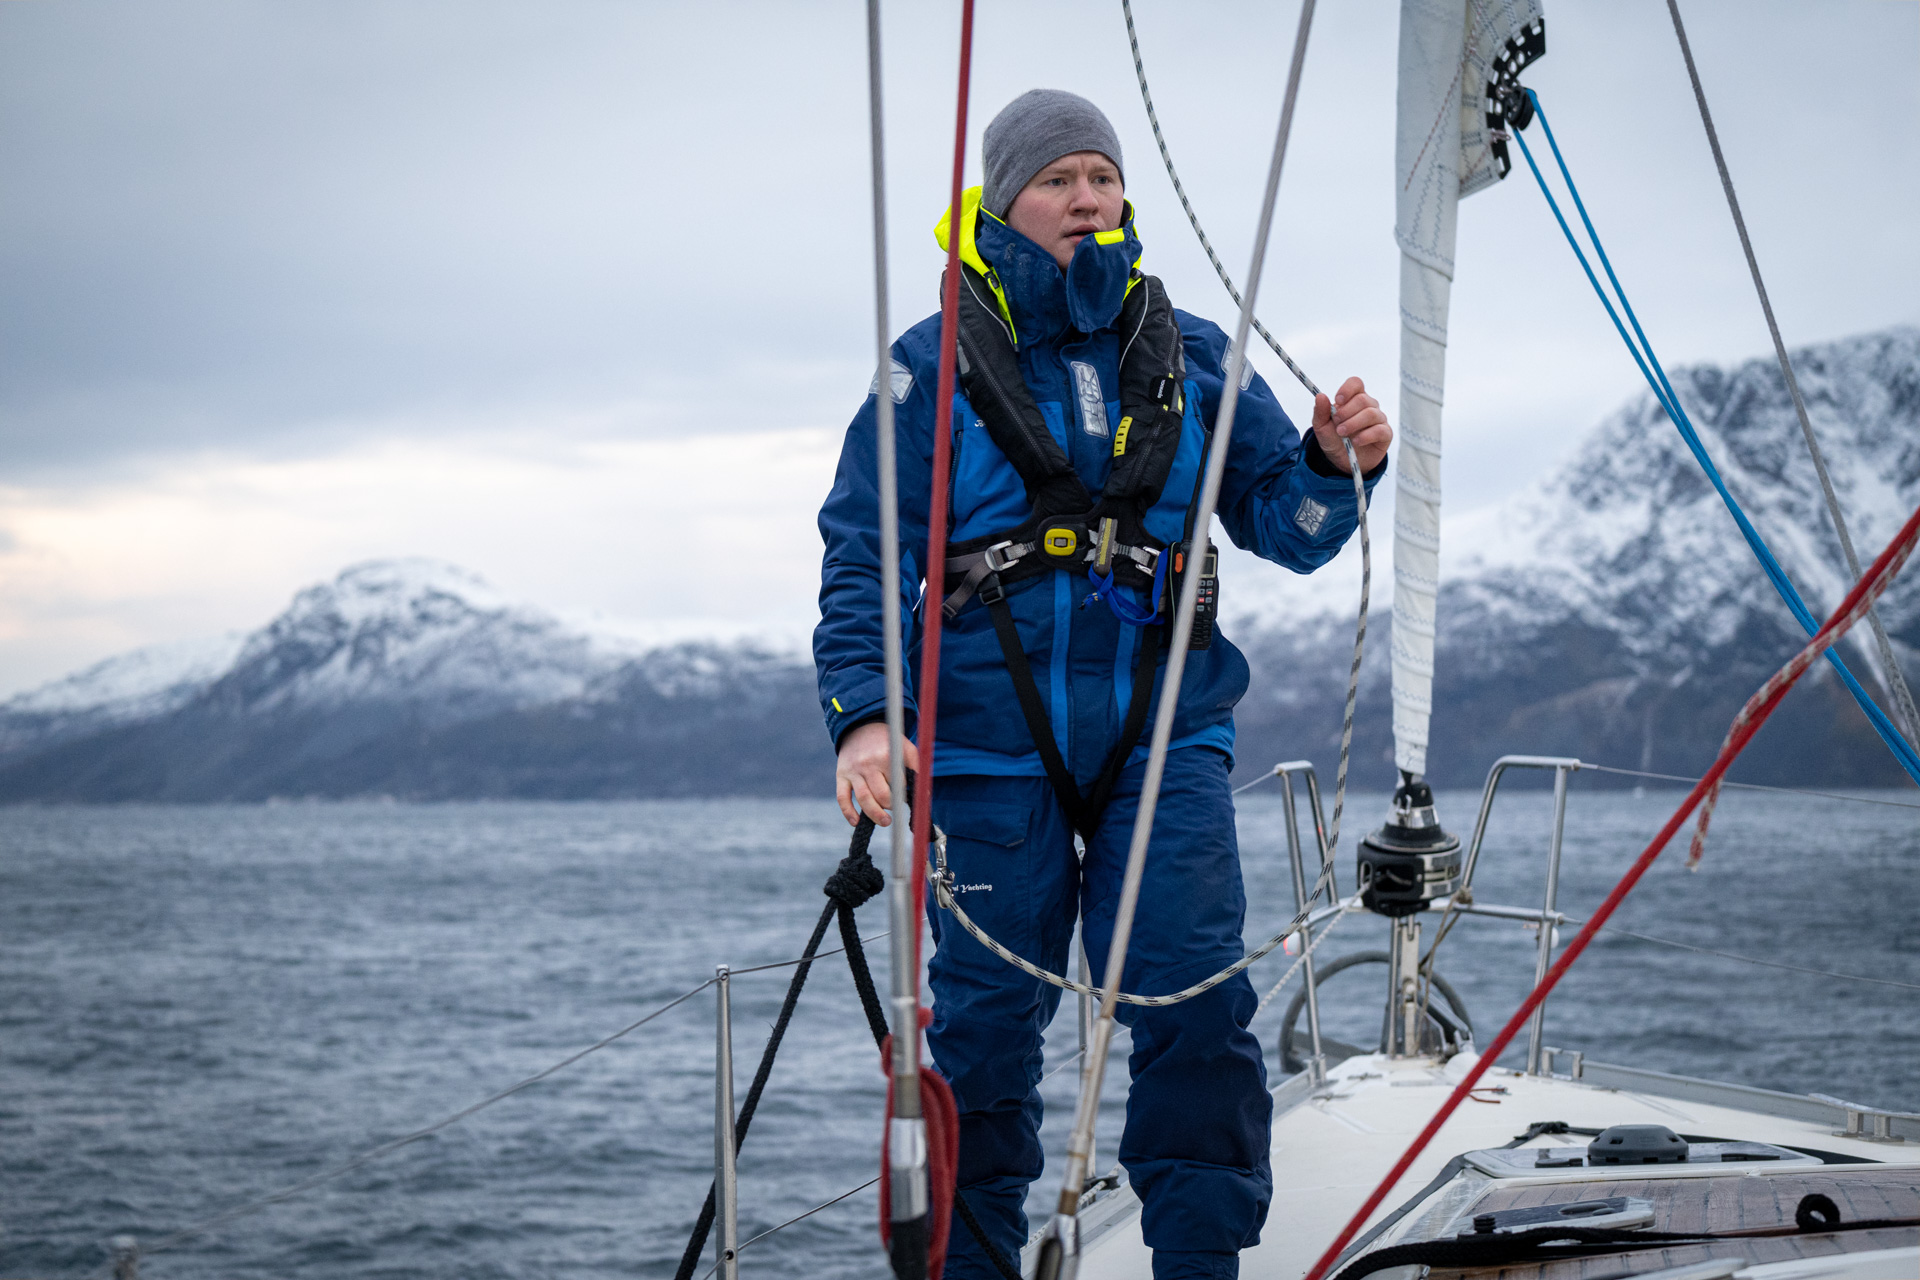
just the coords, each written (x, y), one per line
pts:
(1083, 229)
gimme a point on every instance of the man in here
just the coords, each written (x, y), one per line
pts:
(1080, 431)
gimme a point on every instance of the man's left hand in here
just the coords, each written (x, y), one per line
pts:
(1353, 415)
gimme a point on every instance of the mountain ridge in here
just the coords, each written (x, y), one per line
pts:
(1610, 611)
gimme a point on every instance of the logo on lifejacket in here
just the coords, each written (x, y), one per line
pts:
(1059, 542)
(1093, 409)
(1120, 436)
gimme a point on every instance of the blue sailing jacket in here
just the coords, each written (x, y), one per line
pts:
(1281, 500)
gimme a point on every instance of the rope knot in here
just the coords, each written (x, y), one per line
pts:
(855, 881)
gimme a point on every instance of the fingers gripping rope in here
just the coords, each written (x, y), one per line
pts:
(1353, 459)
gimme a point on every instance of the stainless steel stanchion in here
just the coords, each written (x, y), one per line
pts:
(726, 1184)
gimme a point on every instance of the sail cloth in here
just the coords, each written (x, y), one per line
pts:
(1449, 144)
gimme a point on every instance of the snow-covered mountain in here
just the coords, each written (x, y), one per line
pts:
(1631, 538)
(1614, 612)
(140, 685)
(416, 632)
(415, 677)
(1611, 612)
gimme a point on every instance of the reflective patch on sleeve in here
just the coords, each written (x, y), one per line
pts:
(1310, 516)
(1093, 406)
(899, 382)
(1246, 367)
(835, 701)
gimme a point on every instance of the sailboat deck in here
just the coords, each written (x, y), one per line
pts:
(1331, 1146)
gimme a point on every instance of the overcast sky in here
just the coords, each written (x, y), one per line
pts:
(578, 295)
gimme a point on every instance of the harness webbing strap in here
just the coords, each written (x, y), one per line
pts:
(1148, 666)
(1083, 811)
(1039, 726)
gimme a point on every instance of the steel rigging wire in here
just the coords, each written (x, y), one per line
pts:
(1752, 716)
(1353, 459)
(1059, 1248)
(1656, 376)
(914, 1213)
(1896, 682)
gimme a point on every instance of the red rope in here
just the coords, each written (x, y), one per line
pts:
(1745, 725)
(943, 1161)
(936, 561)
(936, 1100)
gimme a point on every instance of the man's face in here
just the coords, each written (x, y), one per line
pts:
(1075, 196)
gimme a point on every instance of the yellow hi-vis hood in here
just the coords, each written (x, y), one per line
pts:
(971, 211)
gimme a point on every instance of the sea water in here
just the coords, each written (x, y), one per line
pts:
(201, 1005)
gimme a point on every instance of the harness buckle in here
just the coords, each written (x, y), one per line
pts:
(991, 591)
(991, 557)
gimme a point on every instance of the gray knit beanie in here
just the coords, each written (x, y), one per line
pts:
(1033, 131)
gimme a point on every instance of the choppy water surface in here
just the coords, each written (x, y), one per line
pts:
(198, 1005)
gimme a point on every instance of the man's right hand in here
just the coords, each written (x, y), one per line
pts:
(860, 774)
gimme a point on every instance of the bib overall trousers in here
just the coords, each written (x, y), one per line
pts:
(1195, 1140)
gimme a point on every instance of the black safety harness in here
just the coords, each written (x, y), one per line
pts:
(1072, 531)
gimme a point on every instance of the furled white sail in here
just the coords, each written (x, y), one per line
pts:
(1446, 147)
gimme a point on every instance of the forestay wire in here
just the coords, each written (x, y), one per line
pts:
(1896, 682)
(1669, 400)
(1353, 459)
(1063, 1233)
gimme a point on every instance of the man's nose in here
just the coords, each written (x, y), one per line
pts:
(1084, 200)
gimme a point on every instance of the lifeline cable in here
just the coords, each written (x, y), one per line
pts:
(1061, 1241)
(1896, 682)
(944, 896)
(1353, 458)
(1655, 374)
(1751, 786)
(176, 1238)
(1769, 964)
(1745, 725)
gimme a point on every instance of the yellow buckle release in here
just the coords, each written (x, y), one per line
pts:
(1060, 541)
(1103, 550)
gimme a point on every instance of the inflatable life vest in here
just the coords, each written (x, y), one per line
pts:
(1102, 536)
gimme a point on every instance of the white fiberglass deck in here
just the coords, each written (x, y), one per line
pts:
(1331, 1145)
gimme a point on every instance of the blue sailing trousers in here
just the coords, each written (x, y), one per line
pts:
(1195, 1145)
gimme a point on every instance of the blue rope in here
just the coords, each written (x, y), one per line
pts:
(1124, 609)
(1656, 376)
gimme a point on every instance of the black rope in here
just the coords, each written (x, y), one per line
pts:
(863, 979)
(1503, 1250)
(852, 883)
(698, 1241)
(999, 1260)
(872, 881)
(1816, 1212)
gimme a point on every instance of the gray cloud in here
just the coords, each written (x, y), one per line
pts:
(273, 228)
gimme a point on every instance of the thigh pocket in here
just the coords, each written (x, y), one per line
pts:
(986, 852)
